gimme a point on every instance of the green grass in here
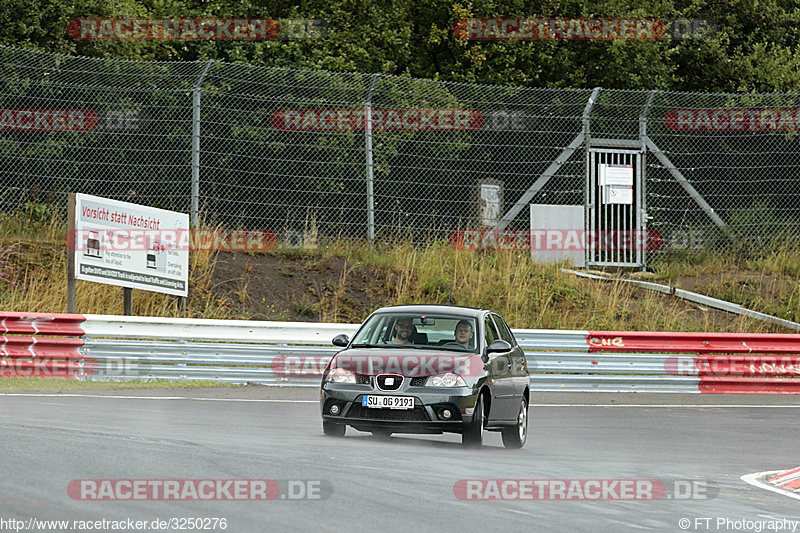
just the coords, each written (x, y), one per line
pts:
(531, 296)
(33, 262)
(64, 385)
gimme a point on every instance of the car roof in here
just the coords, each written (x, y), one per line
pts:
(473, 312)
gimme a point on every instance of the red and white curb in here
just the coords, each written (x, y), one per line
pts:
(785, 482)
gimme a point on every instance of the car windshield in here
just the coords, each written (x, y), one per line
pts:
(423, 331)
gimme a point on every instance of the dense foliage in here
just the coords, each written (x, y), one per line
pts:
(756, 47)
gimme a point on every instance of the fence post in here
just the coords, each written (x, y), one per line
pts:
(590, 192)
(196, 143)
(368, 150)
(642, 190)
(587, 117)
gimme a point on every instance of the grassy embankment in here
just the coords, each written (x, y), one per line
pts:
(33, 262)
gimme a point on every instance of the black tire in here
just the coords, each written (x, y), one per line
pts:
(381, 434)
(515, 436)
(332, 429)
(472, 436)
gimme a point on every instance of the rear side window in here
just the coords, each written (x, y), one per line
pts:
(505, 332)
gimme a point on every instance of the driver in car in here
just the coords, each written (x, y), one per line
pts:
(464, 333)
(403, 330)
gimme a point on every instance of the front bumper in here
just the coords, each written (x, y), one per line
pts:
(426, 417)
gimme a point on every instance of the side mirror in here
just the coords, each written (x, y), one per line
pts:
(341, 340)
(499, 346)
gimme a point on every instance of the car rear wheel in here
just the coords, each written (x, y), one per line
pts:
(332, 429)
(472, 437)
(515, 436)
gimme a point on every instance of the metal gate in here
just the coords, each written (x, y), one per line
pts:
(615, 229)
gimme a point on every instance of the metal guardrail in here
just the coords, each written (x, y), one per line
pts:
(303, 365)
(103, 347)
(224, 362)
(611, 383)
(197, 329)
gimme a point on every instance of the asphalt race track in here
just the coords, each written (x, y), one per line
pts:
(405, 483)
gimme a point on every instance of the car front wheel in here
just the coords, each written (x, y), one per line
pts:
(381, 434)
(332, 429)
(515, 436)
(472, 437)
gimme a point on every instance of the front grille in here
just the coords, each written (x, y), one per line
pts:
(417, 414)
(418, 382)
(362, 380)
(389, 381)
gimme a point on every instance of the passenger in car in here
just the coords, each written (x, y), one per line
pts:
(464, 334)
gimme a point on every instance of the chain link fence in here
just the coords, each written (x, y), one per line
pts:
(293, 151)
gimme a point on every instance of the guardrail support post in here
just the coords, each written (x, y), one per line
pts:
(127, 301)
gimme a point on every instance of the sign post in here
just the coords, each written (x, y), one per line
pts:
(71, 303)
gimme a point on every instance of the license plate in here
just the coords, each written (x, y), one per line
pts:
(388, 402)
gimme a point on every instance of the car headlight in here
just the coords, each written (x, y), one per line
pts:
(340, 375)
(446, 380)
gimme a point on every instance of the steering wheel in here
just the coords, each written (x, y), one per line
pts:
(456, 344)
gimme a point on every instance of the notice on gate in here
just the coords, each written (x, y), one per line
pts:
(130, 245)
(616, 182)
(618, 194)
(616, 174)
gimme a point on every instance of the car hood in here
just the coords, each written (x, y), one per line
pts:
(408, 362)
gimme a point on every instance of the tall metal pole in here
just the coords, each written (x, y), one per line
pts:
(196, 143)
(642, 217)
(587, 116)
(591, 197)
(368, 146)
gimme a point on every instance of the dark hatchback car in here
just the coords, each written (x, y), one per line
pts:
(429, 369)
